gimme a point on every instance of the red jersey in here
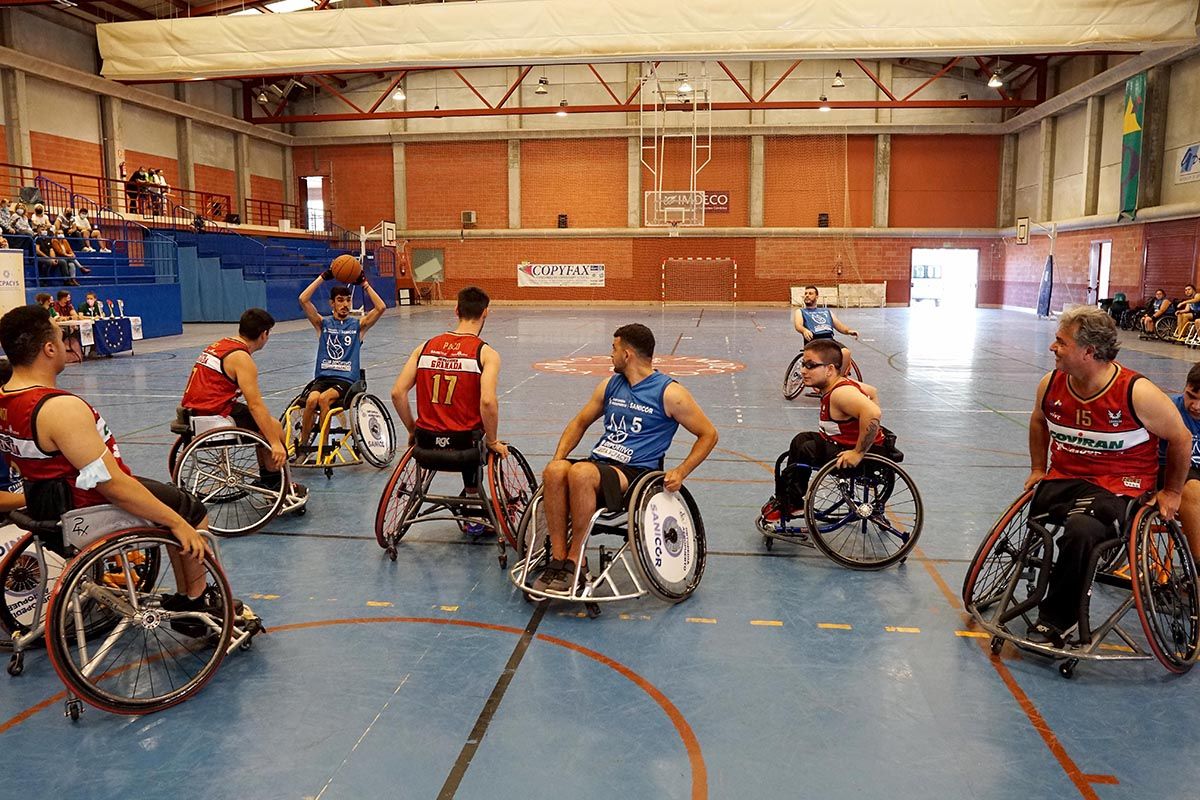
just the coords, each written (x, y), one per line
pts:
(210, 390)
(1100, 439)
(843, 431)
(18, 422)
(448, 379)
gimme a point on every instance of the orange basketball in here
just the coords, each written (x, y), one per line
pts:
(346, 268)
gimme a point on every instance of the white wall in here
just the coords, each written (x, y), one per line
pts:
(147, 131)
(61, 110)
(212, 146)
(1029, 165)
(266, 159)
(1109, 199)
(44, 39)
(1070, 129)
(1183, 129)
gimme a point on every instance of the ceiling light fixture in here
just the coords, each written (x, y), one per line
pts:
(824, 103)
(399, 96)
(543, 86)
(964, 96)
(996, 82)
(685, 86)
(262, 97)
(838, 83)
(562, 108)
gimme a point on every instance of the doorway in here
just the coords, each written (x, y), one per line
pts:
(314, 202)
(944, 278)
(1099, 264)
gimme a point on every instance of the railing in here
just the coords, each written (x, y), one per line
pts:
(149, 200)
(268, 213)
(152, 258)
(341, 238)
(384, 258)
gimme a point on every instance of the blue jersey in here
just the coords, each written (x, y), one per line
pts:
(819, 321)
(337, 349)
(1193, 425)
(637, 430)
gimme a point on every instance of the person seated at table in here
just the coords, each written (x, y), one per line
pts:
(64, 307)
(91, 308)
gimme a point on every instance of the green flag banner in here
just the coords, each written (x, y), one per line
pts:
(1131, 144)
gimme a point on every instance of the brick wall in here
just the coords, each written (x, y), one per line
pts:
(68, 155)
(1017, 280)
(266, 188)
(944, 181)
(808, 175)
(447, 178)
(358, 185)
(215, 180)
(584, 179)
(169, 166)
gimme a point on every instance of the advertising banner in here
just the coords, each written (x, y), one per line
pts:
(529, 274)
(12, 279)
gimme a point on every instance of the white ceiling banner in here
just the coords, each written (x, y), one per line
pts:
(507, 32)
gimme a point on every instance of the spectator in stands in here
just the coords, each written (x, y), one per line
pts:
(135, 191)
(6, 217)
(3, 246)
(64, 224)
(22, 233)
(50, 267)
(60, 247)
(40, 221)
(89, 232)
(159, 189)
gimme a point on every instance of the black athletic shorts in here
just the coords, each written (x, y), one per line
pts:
(610, 494)
(1058, 499)
(181, 501)
(325, 384)
(241, 416)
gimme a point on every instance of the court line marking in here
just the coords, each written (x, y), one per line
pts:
(973, 634)
(703, 620)
(769, 623)
(1083, 783)
(900, 629)
(379, 604)
(378, 714)
(699, 789)
(834, 626)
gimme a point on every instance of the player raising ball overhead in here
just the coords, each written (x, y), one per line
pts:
(340, 340)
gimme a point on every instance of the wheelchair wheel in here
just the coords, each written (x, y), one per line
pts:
(1165, 590)
(868, 517)
(173, 455)
(374, 433)
(398, 503)
(290, 420)
(854, 372)
(1165, 327)
(793, 381)
(23, 573)
(153, 657)
(999, 556)
(532, 535)
(220, 467)
(512, 485)
(667, 538)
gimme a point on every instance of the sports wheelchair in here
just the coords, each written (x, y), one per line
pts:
(662, 549)
(1149, 559)
(102, 607)
(358, 430)
(218, 462)
(793, 380)
(867, 517)
(506, 486)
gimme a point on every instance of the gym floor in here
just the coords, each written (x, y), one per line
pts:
(784, 675)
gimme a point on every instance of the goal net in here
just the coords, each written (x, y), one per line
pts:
(699, 280)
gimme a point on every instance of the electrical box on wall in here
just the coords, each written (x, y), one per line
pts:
(468, 218)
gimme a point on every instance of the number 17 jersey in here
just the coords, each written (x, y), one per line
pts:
(448, 383)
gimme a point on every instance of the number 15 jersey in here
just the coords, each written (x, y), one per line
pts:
(448, 380)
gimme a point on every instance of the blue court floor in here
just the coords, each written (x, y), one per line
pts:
(783, 676)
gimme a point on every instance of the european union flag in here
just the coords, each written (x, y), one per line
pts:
(112, 336)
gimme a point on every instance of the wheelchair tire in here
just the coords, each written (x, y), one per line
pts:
(1165, 590)
(868, 517)
(377, 445)
(512, 485)
(21, 572)
(1165, 327)
(994, 560)
(220, 467)
(396, 505)
(854, 372)
(173, 455)
(793, 381)
(144, 664)
(666, 535)
(290, 420)
(533, 537)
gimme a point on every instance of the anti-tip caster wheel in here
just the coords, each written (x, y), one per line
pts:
(73, 709)
(1067, 668)
(16, 664)
(768, 542)
(997, 645)
(592, 609)
(503, 559)
(328, 473)
(391, 553)
(246, 645)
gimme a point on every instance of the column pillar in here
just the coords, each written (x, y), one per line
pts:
(1092, 133)
(241, 174)
(757, 180)
(399, 185)
(883, 180)
(1006, 204)
(634, 179)
(514, 183)
(1046, 184)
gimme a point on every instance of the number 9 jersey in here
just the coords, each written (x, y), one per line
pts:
(448, 383)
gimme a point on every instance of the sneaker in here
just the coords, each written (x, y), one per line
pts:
(548, 575)
(1047, 633)
(773, 513)
(105, 250)
(475, 529)
(208, 601)
(560, 583)
(89, 250)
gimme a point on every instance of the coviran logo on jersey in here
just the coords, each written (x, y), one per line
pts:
(1086, 442)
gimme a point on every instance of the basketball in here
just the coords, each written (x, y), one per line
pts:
(346, 268)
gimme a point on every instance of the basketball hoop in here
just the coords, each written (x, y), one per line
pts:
(674, 229)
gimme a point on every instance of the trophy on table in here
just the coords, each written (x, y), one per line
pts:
(110, 308)
(121, 306)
